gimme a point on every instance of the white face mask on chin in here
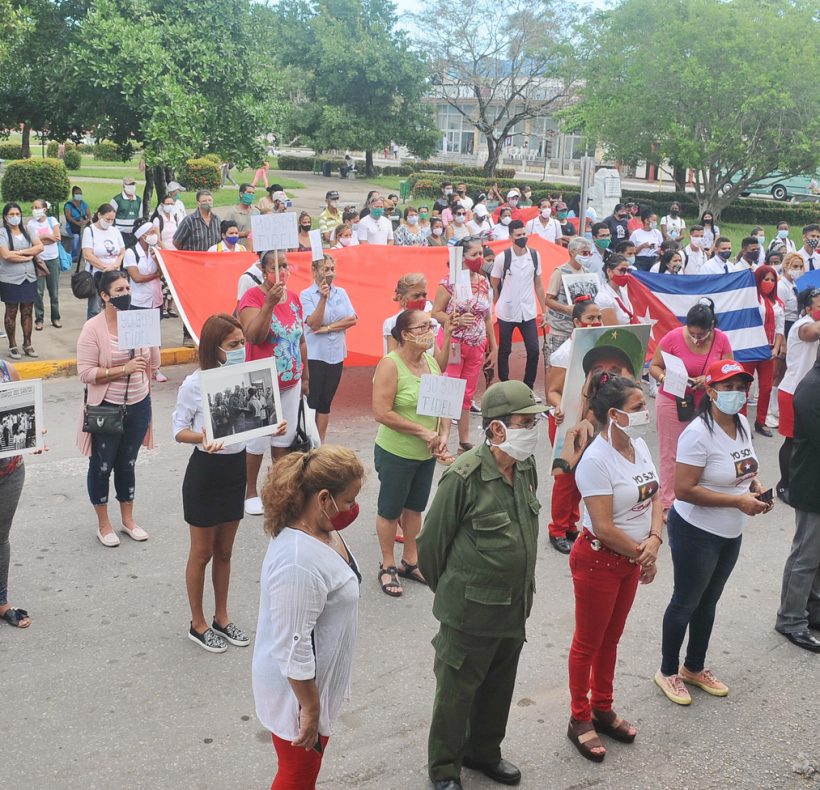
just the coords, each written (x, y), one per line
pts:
(519, 443)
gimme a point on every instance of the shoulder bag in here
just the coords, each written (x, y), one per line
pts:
(82, 282)
(107, 419)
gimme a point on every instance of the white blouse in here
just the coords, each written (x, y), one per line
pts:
(188, 413)
(308, 613)
(609, 298)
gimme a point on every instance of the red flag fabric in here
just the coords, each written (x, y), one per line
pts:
(204, 283)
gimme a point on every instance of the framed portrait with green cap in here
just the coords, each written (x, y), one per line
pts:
(619, 350)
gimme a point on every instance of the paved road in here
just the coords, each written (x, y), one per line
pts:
(105, 691)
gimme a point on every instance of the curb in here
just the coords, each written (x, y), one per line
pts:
(51, 368)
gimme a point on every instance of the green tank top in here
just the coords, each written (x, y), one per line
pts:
(407, 397)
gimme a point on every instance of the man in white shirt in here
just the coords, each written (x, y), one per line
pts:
(673, 225)
(516, 281)
(481, 225)
(172, 190)
(544, 225)
(809, 252)
(749, 253)
(254, 275)
(463, 197)
(720, 263)
(694, 253)
(375, 228)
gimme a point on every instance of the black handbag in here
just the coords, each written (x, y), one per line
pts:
(301, 442)
(82, 282)
(686, 408)
(107, 419)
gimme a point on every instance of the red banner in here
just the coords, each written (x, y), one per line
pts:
(204, 283)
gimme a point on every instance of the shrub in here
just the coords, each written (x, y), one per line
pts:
(215, 158)
(85, 148)
(427, 185)
(11, 151)
(200, 173)
(53, 147)
(72, 159)
(35, 178)
(106, 151)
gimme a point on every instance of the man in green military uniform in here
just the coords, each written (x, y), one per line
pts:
(477, 551)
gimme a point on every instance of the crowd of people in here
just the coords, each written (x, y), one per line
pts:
(611, 508)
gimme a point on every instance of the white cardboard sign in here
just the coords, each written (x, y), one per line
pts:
(441, 396)
(138, 329)
(316, 251)
(275, 231)
(675, 377)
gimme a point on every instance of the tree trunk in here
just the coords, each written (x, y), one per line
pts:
(679, 174)
(160, 181)
(493, 152)
(26, 144)
(148, 192)
(368, 164)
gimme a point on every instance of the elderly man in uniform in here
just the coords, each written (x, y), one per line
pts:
(477, 551)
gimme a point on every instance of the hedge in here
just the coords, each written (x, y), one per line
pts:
(200, 174)
(85, 148)
(215, 158)
(106, 151)
(29, 179)
(53, 147)
(73, 159)
(11, 151)
(429, 186)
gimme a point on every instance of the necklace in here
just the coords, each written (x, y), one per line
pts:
(324, 537)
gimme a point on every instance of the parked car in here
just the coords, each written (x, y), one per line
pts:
(782, 187)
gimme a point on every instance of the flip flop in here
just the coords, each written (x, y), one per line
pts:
(15, 617)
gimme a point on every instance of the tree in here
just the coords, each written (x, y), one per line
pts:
(694, 82)
(178, 79)
(499, 64)
(355, 81)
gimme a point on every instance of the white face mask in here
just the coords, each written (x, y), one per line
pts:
(129, 189)
(104, 224)
(638, 423)
(519, 443)
(437, 231)
(506, 220)
(152, 240)
(546, 212)
(413, 219)
(38, 213)
(168, 207)
(696, 241)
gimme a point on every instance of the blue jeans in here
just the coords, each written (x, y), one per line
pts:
(118, 454)
(702, 564)
(76, 239)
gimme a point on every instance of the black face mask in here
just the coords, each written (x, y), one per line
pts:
(305, 227)
(122, 302)
(521, 243)
(673, 212)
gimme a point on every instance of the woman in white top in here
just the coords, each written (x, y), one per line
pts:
(710, 231)
(793, 267)
(213, 490)
(164, 218)
(457, 229)
(616, 551)
(103, 249)
(47, 229)
(801, 352)
(673, 225)
(563, 526)
(613, 298)
(501, 231)
(716, 488)
(411, 294)
(306, 634)
(18, 278)
(481, 224)
(647, 241)
(344, 237)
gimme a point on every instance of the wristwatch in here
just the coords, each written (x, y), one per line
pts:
(560, 463)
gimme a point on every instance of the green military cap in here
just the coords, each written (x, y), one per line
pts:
(617, 343)
(509, 397)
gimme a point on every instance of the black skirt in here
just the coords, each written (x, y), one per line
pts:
(213, 491)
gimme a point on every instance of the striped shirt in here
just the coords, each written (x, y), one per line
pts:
(195, 235)
(138, 383)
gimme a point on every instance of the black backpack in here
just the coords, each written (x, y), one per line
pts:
(508, 266)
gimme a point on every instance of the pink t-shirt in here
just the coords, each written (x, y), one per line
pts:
(283, 339)
(674, 343)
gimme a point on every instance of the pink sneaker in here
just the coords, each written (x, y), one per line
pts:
(160, 377)
(672, 686)
(705, 680)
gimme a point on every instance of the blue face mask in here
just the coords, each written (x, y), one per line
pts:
(730, 402)
(232, 239)
(782, 234)
(234, 356)
(725, 255)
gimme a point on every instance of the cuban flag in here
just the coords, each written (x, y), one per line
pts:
(663, 300)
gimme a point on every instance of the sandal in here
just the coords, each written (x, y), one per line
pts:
(14, 352)
(30, 352)
(412, 572)
(392, 587)
(15, 617)
(609, 723)
(585, 738)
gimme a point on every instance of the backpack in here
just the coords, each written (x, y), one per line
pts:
(508, 266)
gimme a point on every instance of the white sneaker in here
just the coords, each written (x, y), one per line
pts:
(160, 377)
(772, 420)
(254, 507)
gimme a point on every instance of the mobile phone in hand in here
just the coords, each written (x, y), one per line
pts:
(767, 496)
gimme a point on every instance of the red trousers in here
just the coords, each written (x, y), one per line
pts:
(605, 586)
(765, 379)
(298, 768)
(566, 498)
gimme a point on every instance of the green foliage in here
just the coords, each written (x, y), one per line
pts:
(73, 160)
(355, 82)
(11, 151)
(215, 158)
(107, 151)
(200, 174)
(53, 147)
(700, 87)
(85, 148)
(29, 179)
(428, 185)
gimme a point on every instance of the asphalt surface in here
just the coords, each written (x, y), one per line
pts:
(105, 691)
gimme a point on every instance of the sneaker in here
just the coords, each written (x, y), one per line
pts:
(254, 507)
(772, 421)
(538, 400)
(672, 686)
(160, 377)
(236, 636)
(208, 640)
(474, 409)
(705, 680)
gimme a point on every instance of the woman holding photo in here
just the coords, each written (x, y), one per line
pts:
(213, 491)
